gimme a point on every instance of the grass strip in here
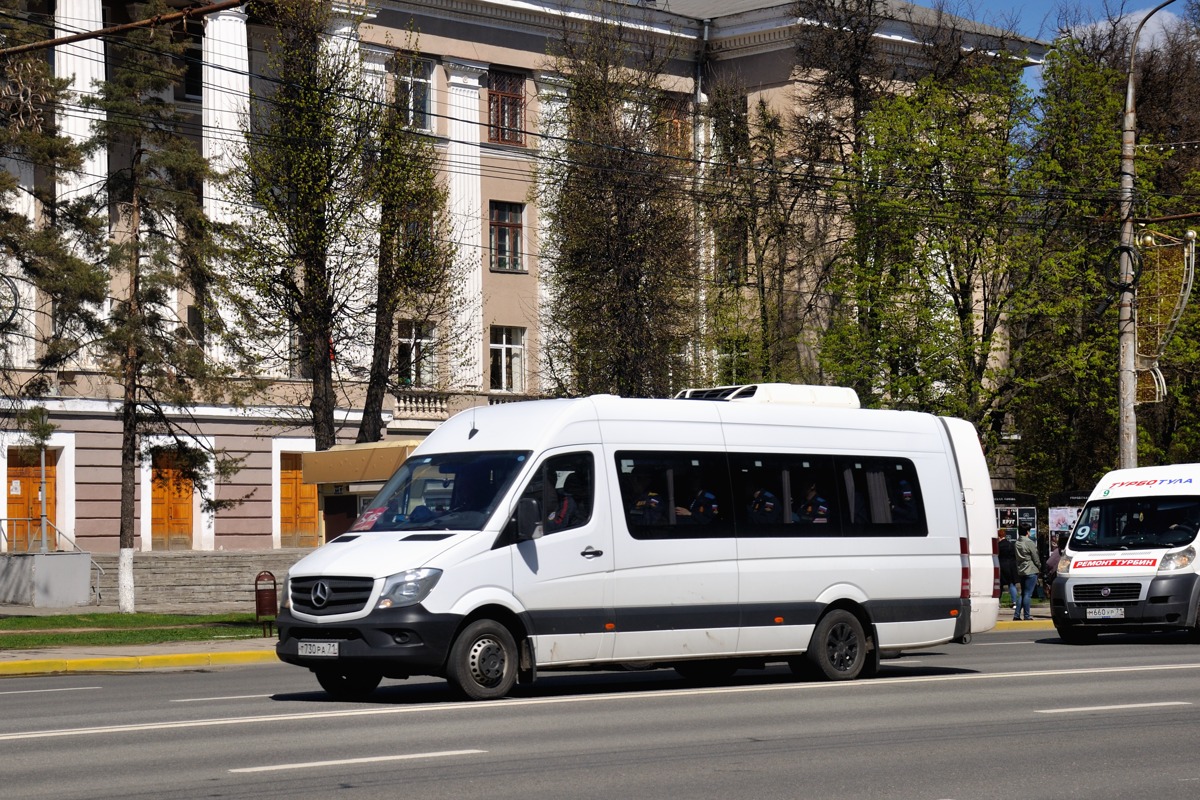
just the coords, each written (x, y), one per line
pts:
(86, 630)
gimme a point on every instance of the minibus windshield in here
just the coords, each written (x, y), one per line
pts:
(1137, 523)
(446, 491)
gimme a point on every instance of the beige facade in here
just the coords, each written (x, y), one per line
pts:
(483, 58)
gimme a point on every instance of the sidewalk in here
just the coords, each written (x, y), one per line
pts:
(100, 658)
(185, 655)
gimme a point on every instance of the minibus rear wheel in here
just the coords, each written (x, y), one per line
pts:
(348, 685)
(483, 661)
(838, 650)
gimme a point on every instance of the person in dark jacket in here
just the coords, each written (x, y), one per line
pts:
(1008, 568)
(1029, 567)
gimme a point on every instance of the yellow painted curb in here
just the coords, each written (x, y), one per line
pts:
(33, 667)
(126, 663)
(1024, 625)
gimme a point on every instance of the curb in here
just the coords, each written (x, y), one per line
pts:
(1024, 625)
(47, 666)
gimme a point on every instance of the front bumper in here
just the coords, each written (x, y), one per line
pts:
(1168, 601)
(398, 642)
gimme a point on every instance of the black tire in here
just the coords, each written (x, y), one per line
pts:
(348, 685)
(483, 661)
(1071, 634)
(838, 650)
(706, 671)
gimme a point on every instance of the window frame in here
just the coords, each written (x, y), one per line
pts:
(421, 337)
(405, 74)
(507, 230)
(506, 353)
(506, 108)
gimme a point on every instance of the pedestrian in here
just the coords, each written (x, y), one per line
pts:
(1029, 566)
(1051, 571)
(1008, 567)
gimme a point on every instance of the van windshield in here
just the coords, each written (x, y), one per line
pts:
(456, 491)
(1137, 523)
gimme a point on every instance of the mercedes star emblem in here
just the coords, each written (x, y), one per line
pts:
(320, 594)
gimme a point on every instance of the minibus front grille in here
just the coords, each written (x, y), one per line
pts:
(324, 596)
(1107, 592)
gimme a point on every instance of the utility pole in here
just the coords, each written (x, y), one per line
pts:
(1126, 316)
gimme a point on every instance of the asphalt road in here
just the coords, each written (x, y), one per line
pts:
(1012, 715)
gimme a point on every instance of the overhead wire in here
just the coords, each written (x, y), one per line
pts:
(492, 170)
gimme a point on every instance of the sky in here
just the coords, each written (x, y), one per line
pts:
(1039, 18)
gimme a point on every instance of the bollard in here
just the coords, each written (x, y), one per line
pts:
(266, 601)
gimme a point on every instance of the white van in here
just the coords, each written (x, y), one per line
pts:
(1130, 563)
(726, 530)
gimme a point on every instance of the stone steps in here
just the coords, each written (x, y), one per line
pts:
(195, 582)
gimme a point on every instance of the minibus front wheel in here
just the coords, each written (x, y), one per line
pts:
(483, 661)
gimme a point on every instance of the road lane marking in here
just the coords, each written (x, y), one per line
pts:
(1108, 708)
(341, 762)
(433, 708)
(41, 691)
(228, 697)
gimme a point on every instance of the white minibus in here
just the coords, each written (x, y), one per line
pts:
(720, 530)
(1130, 562)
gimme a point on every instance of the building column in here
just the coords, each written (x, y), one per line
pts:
(552, 93)
(226, 99)
(82, 63)
(466, 207)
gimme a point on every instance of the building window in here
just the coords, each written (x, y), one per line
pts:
(414, 82)
(193, 58)
(505, 221)
(415, 361)
(506, 108)
(676, 126)
(508, 359)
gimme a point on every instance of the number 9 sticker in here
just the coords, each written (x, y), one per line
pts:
(1082, 531)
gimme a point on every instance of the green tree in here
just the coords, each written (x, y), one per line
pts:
(417, 275)
(942, 260)
(762, 227)
(307, 199)
(43, 267)
(619, 257)
(158, 256)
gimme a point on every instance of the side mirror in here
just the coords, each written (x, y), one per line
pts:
(529, 520)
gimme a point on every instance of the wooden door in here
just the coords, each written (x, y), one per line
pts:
(24, 524)
(297, 504)
(170, 507)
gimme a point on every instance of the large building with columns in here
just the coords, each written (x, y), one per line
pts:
(478, 88)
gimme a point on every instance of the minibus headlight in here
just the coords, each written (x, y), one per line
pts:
(408, 588)
(285, 596)
(1178, 560)
(1064, 564)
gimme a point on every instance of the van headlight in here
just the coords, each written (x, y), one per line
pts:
(1178, 560)
(407, 588)
(285, 595)
(1064, 564)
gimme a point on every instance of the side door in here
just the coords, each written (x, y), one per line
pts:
(561, 578)
(675, 587)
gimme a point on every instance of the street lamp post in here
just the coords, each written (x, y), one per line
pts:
(1126, 318)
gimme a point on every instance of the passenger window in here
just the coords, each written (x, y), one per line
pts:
(883, 497)
(564, 489)
(785, 495)
(674, 495)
